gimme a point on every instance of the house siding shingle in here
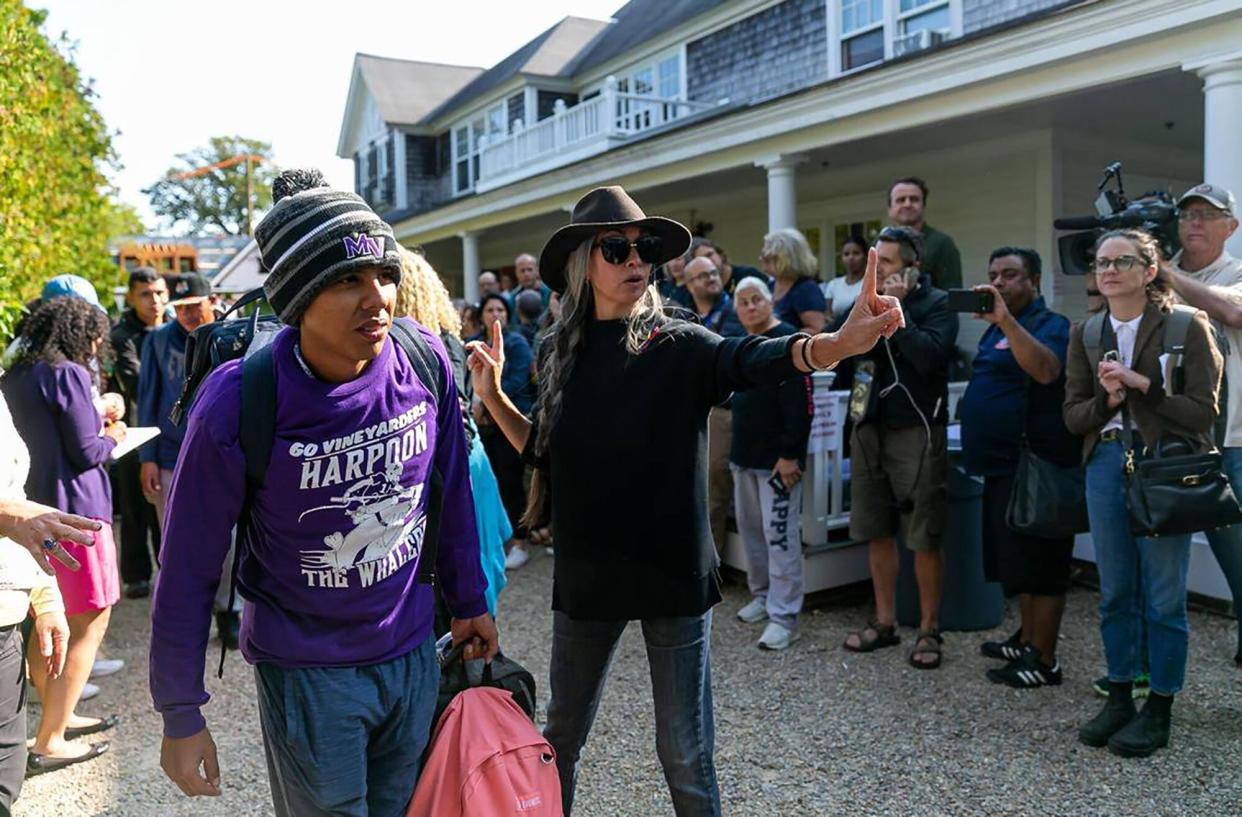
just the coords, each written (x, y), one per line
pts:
(422, 176)
(778, 50)
(981, 14)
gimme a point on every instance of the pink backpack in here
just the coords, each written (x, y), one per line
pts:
(487, 760)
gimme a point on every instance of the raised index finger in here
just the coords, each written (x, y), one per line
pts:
(497, 341)
(869, 288)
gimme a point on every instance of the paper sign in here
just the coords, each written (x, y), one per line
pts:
(826, 425)
(134, 437)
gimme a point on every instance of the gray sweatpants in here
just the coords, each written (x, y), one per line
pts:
(770, 525)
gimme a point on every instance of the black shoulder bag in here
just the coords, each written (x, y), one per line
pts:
(1172, 491)
(1047, 500)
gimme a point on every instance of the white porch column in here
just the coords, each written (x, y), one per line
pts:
(1222, 122)
(782, 190)
(470, 266)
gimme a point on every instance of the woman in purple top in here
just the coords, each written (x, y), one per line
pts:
(49, 394)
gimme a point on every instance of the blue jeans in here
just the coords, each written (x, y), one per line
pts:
(1227, 542)
(1140, 580)
(347, 741)
(678, 651)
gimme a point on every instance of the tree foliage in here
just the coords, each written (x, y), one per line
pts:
(214, 200)
(55, 212)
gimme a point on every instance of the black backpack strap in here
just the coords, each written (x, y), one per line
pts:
(427, 366)
(255, 434)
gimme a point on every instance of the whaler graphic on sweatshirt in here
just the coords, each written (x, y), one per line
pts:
(379, 524)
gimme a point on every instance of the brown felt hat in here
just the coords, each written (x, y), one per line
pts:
(606, 208)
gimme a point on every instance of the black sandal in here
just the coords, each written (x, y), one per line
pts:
(884, 635)
(921, 642)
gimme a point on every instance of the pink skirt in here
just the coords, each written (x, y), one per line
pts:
(97, 586)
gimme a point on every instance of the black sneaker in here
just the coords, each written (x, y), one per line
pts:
(1027, 672)
(1008, 650)
(1142, 686)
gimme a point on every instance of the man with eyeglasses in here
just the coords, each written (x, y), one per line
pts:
(715, 310)
(1206, 276)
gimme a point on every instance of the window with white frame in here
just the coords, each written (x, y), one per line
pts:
(862, 33)
(468, 141)
(870, 31)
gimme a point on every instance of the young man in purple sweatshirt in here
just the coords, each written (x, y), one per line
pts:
(336, 623)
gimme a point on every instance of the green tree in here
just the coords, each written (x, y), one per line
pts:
(123, 220)
(54, 151)
(206, 191)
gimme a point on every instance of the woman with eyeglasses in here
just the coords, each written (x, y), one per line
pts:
(1141, 579)
(792, 269)
(619, 439)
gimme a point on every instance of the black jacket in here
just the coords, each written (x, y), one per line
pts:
(922, 352)
(127, 338)
(627, 462)
(772, 422)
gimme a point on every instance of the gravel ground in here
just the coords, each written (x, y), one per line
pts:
(814, 730)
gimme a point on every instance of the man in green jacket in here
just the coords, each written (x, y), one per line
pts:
(941, 260)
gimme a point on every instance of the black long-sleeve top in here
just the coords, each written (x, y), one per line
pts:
(627, 463)
(127, 338)
(772, 422)
(922, 351)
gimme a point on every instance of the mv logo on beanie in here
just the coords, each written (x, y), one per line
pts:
(360, 244)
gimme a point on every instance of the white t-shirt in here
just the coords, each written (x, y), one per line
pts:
(1224, 276)
(841, 294)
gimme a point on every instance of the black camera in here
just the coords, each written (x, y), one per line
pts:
(1152, 212)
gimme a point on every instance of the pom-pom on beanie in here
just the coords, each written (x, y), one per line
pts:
(312, 235)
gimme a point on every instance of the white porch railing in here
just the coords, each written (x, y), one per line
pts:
(570, 134)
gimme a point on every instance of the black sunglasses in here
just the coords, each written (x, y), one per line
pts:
(616, 248)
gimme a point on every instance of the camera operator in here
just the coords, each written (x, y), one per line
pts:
(1016, 390)
(1206, 276)
(899, 406)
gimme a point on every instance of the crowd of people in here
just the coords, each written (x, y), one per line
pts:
(626, 341)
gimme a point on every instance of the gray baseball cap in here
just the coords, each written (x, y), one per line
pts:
(1214, 195)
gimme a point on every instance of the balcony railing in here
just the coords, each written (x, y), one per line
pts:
(573, 133)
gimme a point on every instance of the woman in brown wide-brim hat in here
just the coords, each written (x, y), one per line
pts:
(620, 427)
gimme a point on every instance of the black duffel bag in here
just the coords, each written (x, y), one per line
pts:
(456, 675)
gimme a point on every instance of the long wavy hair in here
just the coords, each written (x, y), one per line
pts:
(1160, 288)
(563, 343)
(66, 329)
(421, 295)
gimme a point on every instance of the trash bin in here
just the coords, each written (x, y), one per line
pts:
(968, 601)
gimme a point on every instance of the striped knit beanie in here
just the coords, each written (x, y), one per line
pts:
(312, 235)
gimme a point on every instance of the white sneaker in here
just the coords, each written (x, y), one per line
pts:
(754, 612)
(777, 637)
(88, 691)
(516, 558)
(103, 667)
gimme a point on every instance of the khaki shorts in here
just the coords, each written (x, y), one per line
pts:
(884, 469)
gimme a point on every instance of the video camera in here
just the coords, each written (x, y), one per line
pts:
(1153, 212)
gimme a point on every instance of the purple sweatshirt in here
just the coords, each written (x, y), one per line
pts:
(330, 577)
(55, 414)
